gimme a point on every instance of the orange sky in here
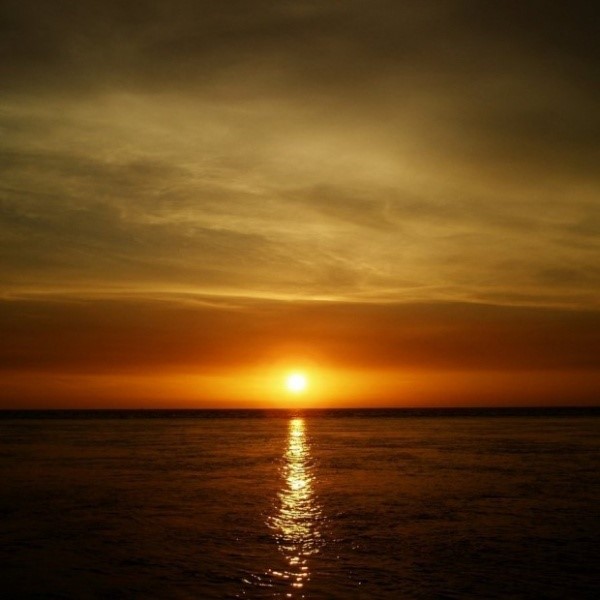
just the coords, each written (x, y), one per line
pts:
(194, 351)
(399, 198)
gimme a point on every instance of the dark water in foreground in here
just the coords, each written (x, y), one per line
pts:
(346, 505)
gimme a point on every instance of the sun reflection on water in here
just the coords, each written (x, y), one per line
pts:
(295, 524)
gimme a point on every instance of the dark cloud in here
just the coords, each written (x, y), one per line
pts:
(105, 42)
(116, 334)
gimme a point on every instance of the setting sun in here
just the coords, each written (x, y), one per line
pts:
(296, 383)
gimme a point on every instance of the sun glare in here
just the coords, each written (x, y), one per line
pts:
(296, 383)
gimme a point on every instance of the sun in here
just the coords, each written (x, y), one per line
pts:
(296, 383)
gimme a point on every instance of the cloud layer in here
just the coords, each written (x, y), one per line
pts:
(429, 150)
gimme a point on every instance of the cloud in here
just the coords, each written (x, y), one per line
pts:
(356, 151)
(188, 334)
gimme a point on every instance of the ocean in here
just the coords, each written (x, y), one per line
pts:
(367, 504)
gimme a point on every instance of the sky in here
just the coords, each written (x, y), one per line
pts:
(400, 199)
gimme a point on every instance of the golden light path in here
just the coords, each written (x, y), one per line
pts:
(296, 522)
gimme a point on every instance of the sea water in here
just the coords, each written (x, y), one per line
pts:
(322, 504)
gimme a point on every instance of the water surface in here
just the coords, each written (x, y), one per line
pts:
(321, 505)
